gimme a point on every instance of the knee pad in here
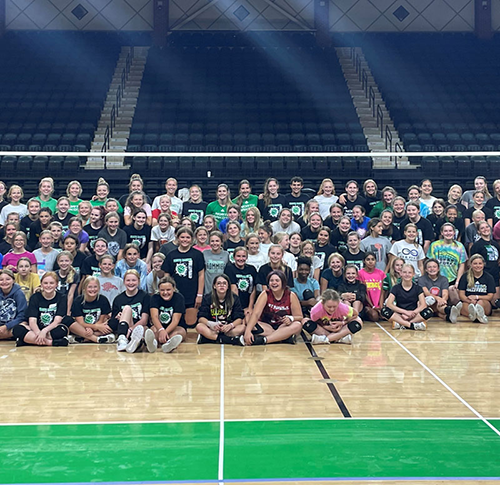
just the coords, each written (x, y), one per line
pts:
(68, 321)
(387, 313)
(354, 326)
(257, 330)
(426, 313)
(310, 326)
(122, 328)
(19, 332)
(307, 295)
(59, 332)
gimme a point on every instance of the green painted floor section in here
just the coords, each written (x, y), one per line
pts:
(253, 450)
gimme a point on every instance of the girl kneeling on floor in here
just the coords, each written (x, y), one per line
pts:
(276, 316)
(405, 306)
(220, 317)
(167, 316)
(332, 321)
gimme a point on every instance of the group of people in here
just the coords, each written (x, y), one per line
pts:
(249, 270)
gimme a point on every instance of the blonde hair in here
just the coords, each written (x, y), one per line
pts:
(321, 187)
(329, 295)
(282, 265)
(74, 182)
(255, 226)
(49, 180)
(470, 272)
(86, 283)
(71, 272)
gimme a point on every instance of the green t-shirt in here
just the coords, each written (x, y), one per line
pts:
(51, 203)
(216, 210)
(73, 206)
(98, 203)
(252, 201)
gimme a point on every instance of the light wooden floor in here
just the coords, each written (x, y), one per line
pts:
(375, 377)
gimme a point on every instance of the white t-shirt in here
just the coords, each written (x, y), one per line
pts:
(163, 237)
(277, 227)
(410, 253)
(175, 206)
(325, 204)
(20, 209)
(257, 260)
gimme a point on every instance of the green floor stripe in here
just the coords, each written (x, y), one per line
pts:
(110, 452)
(357, 448)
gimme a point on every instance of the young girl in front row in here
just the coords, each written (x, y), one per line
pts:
(92, 311)
(332, 321)
(167, 316)
(130, 313)
(405, 305)
(373, 278)
(351, 290)
(220, 318)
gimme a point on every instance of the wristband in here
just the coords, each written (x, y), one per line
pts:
(162, 328)
(199, 294)
(291, 318)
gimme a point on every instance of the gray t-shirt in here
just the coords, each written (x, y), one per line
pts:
(435, 287)
(380, 246)
(215, 264)
(116, 242)
(111, 287)
(45, 262)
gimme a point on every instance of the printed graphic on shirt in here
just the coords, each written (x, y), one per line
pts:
(92, 315)
(108, 286)
(47, 315)
(297, 209)
(245, 283)
(8, 310)
(183, 267)
(138, 240)
(113, 248)
(274, 210)
(165, 315)
(196, 215)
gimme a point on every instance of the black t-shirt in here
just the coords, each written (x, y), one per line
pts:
(488, 213)
(93, 235)
(167, 248)
(264, 271)
(5, 247)
(490, 251)
(245, 280)
(184, 268)
(46, 310)
(34, 234)
(25, 226)
(339, 240)
(393, 233)
(329, 222)
(139, 237)
(371, 202)
(64, 222)
(396, 220)
(482, 286)
(63, 286)
(91, 311)
(358, 288)
(272, 211)
(458, 223)
(230, 246)
(90, 267)
(349, 206)
(494, 206)
(139, 304)
(219, 313)
(355, 259)
(167, 308)
(407, 299)
(425, 232)
(323, 252)
(196, 212)
(297, 204)
(308, 234)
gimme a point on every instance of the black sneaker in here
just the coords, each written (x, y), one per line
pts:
(204, 340)
(292, 340)
(63, 342)
(259, 340)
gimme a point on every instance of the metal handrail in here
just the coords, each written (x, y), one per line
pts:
(371, 100)
(113, 120)
(364, 82)
(388, 138)
(380, 120)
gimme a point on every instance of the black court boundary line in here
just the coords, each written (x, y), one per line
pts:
(338, 398)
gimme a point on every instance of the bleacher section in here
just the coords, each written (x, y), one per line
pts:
(53, 89)
(244, 99)
(442, 93)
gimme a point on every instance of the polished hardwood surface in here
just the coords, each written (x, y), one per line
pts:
(375, 377)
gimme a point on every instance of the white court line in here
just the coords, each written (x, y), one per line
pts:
(220, 475)
(463, 401)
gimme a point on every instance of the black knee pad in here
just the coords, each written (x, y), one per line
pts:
(310, 326)
(426, 313)
(19, 332)
(68, 321)
(387, 313)
(122, 328)
(257, 330)
(59, 332)
(354, 326)
(307, 294)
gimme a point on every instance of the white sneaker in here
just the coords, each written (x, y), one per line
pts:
(135, 339)
(319, 339)
(397, 326)
(172, 344)
(71, 339)
(242, 340)
(472, 312)
(106, 339)
(345, 340)
(420, 326)
(480, 315)
(430, 300)
(455, 312)
(122, 343)
(151, 343)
